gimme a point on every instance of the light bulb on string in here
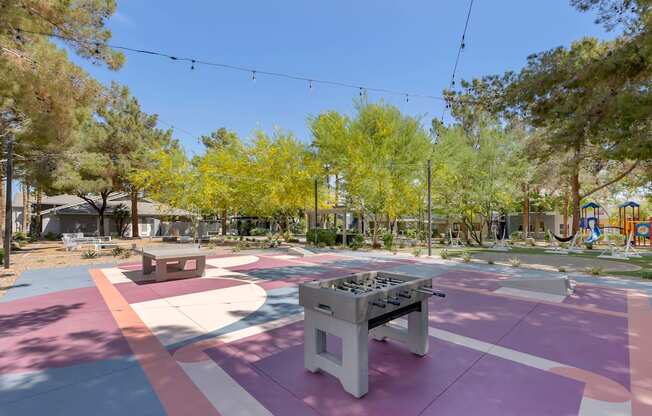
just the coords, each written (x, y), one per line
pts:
(407, 98)
(310, 85)
(253, 76)
(192, 66)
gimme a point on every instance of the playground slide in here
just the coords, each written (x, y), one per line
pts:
(596, 233)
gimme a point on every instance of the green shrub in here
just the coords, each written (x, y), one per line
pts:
(388, 241)
(561, 269)
(646, 274)
(321, 244)
(417, 251)
(491, 261)
(118, 252)
(50, 236)
(89, 254)
(595, 271)
(2, 255)
(515, 262)
(20, 237)
(466, 257)
(321, 235)
(401, 244)
(356, 241)
(444, 254)
(258, 231)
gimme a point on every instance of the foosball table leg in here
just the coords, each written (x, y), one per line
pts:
(355, 360)
(418, 338)
(352, 368)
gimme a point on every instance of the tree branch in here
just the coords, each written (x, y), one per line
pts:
(611, 182)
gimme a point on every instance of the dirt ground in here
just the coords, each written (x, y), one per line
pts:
(51, 254)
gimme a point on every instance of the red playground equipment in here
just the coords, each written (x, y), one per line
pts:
(630, 223)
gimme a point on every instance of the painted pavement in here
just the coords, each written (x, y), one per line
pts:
(106, 341)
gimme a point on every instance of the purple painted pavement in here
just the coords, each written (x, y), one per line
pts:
(499, 387)
(483, 317)
(587, 340)
(599, 297)
(56, 330)
(134, 293)
(399, 381)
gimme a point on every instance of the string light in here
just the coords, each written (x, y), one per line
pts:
(193, 65)
(459, 54)
(253, 71)
(310, 85)
(407, 98)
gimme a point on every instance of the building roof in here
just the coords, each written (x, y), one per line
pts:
(62, 199)
(146, 207)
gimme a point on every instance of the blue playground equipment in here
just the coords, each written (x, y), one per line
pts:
(593, 226)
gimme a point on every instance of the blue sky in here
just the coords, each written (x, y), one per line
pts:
(400, 45)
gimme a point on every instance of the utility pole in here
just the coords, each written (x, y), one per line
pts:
(316, 202)
(429, 212)
(8, 210)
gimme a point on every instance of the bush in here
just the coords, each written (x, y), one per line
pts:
(20, 237)
(516, 235)
(321, 244)
(466, 257)
(646, 274)
(118, 252)
(444, 254)
(515, 262)
(89, 254)
(320, 235)
(561, 269)
(388, 241)
(258, 231)
(589, 246)
(50, 236)
(417, 252)
(595, 271)
(491, 261)
(356, 242)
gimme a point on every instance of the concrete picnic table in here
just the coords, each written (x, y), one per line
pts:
(171, 262)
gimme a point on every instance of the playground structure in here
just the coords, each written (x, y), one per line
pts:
(632, 226)
(500, 241)
(455, 242)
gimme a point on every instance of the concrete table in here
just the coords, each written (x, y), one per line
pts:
(170, 262)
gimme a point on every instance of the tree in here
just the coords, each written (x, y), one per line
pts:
(121, 215)
(474, 176)
(131, 137)
(380, 155)
(590, 103)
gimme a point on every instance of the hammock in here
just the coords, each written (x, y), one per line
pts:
(562, 239)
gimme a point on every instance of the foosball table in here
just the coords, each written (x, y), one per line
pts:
(352, 308)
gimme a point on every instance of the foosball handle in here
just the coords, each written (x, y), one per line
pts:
(378, 303)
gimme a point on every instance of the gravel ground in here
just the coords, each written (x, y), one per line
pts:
(554, 262)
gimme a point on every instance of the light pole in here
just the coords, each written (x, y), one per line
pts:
(8, 207)
(429, 212)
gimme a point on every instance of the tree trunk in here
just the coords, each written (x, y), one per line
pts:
(2, 206)
(566, 206)
(575, 195)
(135, 229)
(26, 209)
(526, 210)
(39, 220)
(224, 222)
